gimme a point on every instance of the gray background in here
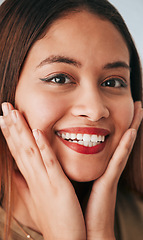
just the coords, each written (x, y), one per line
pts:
(132, 12)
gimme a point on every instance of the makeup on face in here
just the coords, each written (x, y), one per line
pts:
(77, 91)
(84, 140)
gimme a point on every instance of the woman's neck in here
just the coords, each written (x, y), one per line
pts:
(82, 190)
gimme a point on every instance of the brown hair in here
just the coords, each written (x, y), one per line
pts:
(22, 22)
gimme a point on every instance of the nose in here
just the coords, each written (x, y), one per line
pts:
(90, 104)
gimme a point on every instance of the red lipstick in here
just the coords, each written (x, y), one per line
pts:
(86, 130)
(80, 148)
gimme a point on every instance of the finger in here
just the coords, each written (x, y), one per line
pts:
(50, 161)
(22, 144)
(6, 134)
(6, 108)
(138, 115)
(120, 157)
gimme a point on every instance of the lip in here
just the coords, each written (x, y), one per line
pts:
(85, 130)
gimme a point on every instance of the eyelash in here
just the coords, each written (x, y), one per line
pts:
(61, 76)
(112, 82)
(116, 81)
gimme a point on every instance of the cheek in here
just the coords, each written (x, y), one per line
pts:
(126, 114)
(42, 110)
(123, 115)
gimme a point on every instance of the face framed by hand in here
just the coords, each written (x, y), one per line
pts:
(75, 87)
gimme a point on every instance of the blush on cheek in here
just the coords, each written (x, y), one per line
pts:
(123, 117)
(126, 114)
(54, 109)
(45, 113)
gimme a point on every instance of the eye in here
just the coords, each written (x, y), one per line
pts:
(114, 83)
(60, 79)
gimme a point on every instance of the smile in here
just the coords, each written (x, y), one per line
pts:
(84, 140)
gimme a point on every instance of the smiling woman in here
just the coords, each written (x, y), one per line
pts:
(82, 86)
(71, 106)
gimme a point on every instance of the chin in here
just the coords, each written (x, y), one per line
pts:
(80, 176)
(81, 167)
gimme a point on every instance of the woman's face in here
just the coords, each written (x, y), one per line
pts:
(75, 87)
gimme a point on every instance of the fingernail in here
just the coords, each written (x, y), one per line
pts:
(5, 109)
(2, 122)
(14, 116)
(35, 133)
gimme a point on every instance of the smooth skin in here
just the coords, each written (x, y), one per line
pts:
(84, 99)
(46, 200)
(32, 160)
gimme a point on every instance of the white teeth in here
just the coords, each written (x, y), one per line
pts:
(88, 140)
(80, 142)
(85, 143)
(63, 135)
(68, 135)
(99, 138)
(94, 138)
(103, 138)
(94, 144)
(90, 144)
(58, 134)
(86, 137)
(79, 136)
(73, 136)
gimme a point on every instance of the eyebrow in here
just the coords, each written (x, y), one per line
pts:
(117, 64)
(63, 59)
(59, 59)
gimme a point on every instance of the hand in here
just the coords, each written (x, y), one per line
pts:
(48, 194)
(101, 205)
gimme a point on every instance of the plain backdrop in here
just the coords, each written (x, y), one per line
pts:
(132, 12)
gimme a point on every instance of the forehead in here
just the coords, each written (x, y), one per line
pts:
(82, 34)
